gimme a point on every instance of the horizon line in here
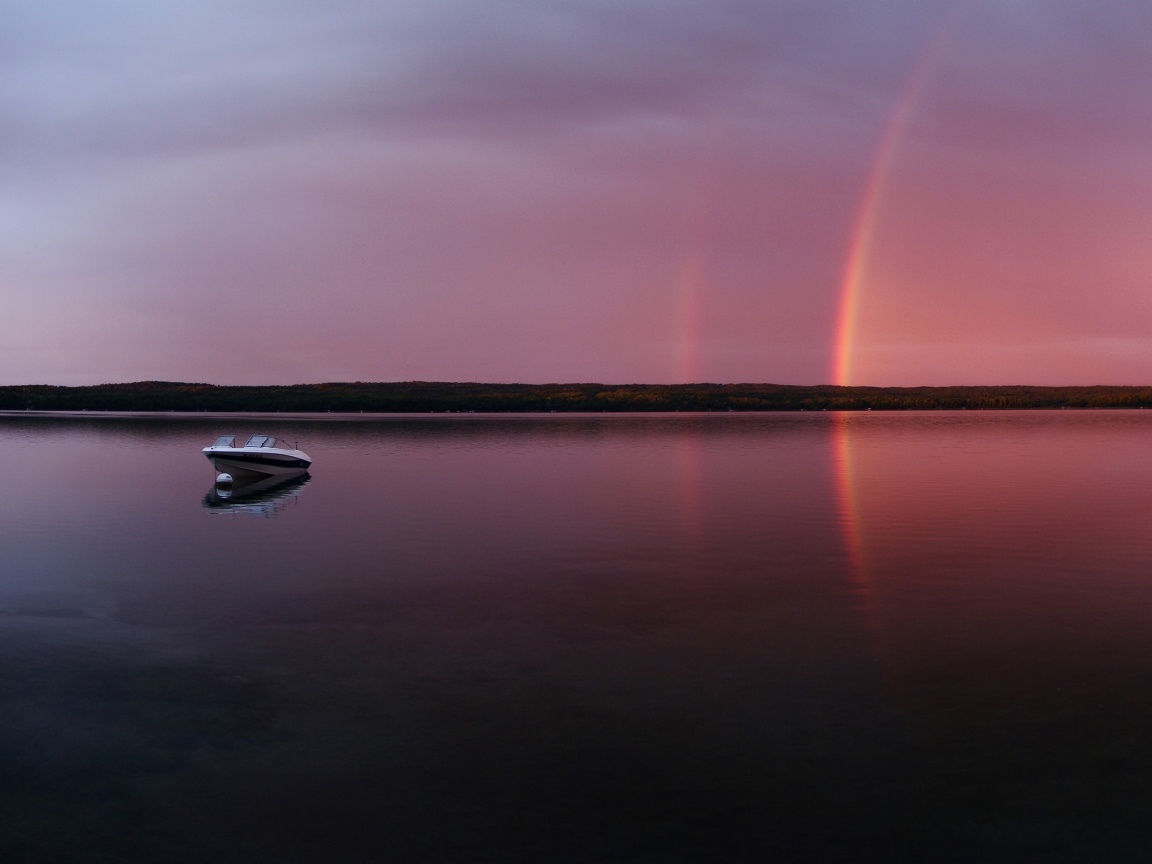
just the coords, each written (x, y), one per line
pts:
(461, 383)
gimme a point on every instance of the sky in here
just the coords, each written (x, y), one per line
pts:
(894, 193)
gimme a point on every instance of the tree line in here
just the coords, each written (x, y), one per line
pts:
(421, 396)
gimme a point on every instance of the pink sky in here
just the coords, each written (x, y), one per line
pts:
(249, 192)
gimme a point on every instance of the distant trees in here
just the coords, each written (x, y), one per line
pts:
(419, 397)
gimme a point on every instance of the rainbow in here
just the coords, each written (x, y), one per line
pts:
(693, 277)
(692, 283)
(863, 228)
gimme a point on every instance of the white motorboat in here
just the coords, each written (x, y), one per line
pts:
(261, 455)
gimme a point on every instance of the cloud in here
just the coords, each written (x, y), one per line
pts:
(92, 79)
(506, 189)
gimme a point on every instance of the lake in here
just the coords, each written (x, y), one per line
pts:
(579, 638)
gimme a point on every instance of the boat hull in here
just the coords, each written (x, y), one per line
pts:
(258, 464)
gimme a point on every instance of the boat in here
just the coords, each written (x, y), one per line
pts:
(261, 455)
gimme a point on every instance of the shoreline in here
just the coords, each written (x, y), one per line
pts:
(424, 398)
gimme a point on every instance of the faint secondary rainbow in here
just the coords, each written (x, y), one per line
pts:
(852, 281)
(692, 283)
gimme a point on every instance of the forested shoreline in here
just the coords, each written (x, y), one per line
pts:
(419, 396)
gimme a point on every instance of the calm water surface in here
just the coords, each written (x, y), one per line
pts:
(681, 638)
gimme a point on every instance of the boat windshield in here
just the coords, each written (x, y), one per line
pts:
(225, 441)
(256, 441)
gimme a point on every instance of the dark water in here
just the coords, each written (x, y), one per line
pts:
(684, 638)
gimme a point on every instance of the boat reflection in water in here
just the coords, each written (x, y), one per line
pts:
(258, 497)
